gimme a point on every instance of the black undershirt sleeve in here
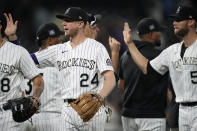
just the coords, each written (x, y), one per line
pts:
(152, 72)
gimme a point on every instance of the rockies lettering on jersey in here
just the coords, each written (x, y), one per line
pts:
(4, 68)
(90, 64)
(185, 61)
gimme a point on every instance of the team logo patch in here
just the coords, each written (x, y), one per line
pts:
(108, 62)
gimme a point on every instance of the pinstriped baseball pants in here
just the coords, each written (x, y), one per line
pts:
(143, 124)
(187, 118)
(7, 123)
(71, 121)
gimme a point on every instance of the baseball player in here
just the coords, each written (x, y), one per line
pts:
(180, 60)
(15, 64)
(144, 101)
(49, 115)
(84, 66)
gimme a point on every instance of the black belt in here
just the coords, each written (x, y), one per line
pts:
(69, 100)
(189, 104)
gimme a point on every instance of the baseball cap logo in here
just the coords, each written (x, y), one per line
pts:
(51, 32)
(151, 27)
(80, 17)
(190, 17)
(67, 11)
(178, 9)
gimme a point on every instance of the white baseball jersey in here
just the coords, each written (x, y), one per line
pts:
(48, 118)
(51, 96)
(15, 64)
(80, 68)
(183, 72)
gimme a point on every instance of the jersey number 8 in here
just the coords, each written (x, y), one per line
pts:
(5, 85)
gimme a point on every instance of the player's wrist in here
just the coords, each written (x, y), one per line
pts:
(36, 98)
(12, 37)
(101, 95)
(36, 101)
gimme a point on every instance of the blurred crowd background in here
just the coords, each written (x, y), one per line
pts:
(32, 13)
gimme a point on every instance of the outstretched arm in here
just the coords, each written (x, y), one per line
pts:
(139, 59)
(115, 48)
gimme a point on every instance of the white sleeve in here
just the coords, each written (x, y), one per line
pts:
(26, 65)
(103, 60)
(161, 62)
(47, 57)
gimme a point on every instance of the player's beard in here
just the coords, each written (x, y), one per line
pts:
(72, 32)
(182, 32)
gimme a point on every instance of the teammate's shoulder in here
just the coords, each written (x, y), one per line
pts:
(94, 43)
(173, 47)
(12, 45)
(54, 47)
(176, 45)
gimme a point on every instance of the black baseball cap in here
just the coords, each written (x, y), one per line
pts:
(47, 30)
(148, 25)
(94, 19)
(74, 14)
(184, 13)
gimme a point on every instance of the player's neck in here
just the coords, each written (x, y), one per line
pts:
(78, 39)
(2, 41)
(189, 39)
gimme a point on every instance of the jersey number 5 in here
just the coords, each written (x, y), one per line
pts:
(85, 77)
(193, 76)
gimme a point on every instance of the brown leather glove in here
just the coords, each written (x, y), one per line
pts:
(87, 105)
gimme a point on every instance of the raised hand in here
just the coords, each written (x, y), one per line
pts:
(114, 44)
(127, 34)
(11, 25)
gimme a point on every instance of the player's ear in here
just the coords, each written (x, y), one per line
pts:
(81, 24)
(192, 23)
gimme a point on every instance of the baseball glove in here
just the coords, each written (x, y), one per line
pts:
(87, 105)
(22, 108)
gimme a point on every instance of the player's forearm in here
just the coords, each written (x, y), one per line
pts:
(38, 86)
(115, 59)
(139, 59)
(109, 84)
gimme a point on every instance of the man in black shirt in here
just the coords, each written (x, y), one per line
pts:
(145, 98)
